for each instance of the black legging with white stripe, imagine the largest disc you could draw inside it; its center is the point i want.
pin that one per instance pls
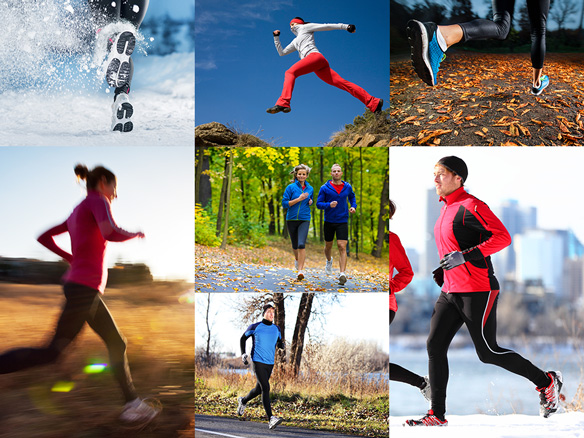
(478, 310)
(499, 27)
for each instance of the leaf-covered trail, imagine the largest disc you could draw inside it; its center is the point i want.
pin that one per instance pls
(485, 100)
(243, 270)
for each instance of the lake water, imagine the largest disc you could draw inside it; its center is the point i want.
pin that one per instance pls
(475, 387)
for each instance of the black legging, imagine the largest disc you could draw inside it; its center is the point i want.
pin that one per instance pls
(83, 304)
(263, 373)
(501, 24)
(399, 373)
(478, 310)
(109, 11)
(298, 231)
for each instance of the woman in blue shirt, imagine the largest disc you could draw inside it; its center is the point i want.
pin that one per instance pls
(297, 199)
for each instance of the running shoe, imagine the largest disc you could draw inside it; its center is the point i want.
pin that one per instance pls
(277, 108)
(427, 420)
(549, 397)
(328, 269)
(118, 63)
(426, 390)
(300, 276)
(296, 265)
(426, 53)
(138, 411)
(274, 421)
(379, 107)
(122, 110)
(240, 406)
(342, 278)
(544, 81)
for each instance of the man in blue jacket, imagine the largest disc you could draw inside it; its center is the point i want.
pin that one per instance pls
(334, 198)
(266, 336)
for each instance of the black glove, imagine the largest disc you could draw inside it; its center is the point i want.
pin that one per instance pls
(438, 275)
(276, 33)
(244, 358)
(351, 28)
(452, 260)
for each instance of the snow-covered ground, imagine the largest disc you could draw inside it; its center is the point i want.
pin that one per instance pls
(162, 95)
(51, 92)
(566, 425)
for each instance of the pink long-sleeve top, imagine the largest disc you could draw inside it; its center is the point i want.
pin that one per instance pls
(90, 226)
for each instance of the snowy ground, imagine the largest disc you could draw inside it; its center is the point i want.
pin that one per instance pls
(162, 95)
(567, 425)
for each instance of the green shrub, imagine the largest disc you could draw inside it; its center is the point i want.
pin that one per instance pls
(242, 231)
(204, 228)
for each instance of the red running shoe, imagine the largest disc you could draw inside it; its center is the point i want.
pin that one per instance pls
(428, 420)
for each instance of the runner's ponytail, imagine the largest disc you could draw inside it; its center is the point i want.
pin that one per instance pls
(92, 177)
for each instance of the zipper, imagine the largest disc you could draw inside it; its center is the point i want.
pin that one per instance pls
(299, 204)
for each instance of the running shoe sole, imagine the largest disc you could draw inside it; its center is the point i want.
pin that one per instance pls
(123, 114)
(118, 69)
(342, 280)
(275, 109)
(300, 277)
(418, 39)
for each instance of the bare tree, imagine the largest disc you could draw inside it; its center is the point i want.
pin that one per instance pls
(227, 198)
(563, 12)
(304, 311)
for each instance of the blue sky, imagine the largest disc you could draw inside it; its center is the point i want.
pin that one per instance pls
(174, 8)
(357, 316)
(155, 195)
(238, 73)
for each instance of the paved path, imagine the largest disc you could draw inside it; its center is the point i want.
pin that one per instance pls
(207, 426)
(224, 277)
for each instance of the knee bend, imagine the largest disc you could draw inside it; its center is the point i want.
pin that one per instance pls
(503, 22)
(486, 356)
(301, 246)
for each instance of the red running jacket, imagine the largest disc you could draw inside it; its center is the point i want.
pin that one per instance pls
(398, 260)
(467, 224)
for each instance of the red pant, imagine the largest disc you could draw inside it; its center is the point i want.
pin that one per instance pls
(318, 64)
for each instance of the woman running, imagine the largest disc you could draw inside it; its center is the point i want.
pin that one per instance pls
(297, 199)
(120, 67)
(429, 41)
(90, 227)
(398, 260)
(266, 337)
(312, 61)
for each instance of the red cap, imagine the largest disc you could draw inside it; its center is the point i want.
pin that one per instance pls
(297, 21)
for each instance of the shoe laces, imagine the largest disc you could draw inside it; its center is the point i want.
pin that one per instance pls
(548, 394)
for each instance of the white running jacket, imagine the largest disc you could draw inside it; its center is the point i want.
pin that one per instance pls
(304, 41)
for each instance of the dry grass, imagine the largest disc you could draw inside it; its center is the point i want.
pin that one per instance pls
(160, 334)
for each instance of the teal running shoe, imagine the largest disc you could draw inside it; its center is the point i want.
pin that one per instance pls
(426, 53)
(544, 81)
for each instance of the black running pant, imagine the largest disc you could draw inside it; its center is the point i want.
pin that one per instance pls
(110, 11)
(478, 311)
(400, 374)
(83, 304)
(298, 231)
(499, 27)
(263, 372)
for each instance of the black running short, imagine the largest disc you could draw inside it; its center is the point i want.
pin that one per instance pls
(341, 230)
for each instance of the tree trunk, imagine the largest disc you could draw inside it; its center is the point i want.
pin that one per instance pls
(203, 193)
(381, 222)
(280, 321)
(227, 199)
(304, 311)
(222, 197)
(208, 347)
(360, 210)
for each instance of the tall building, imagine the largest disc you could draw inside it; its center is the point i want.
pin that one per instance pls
(430, 260)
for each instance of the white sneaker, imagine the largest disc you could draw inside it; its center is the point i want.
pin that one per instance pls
(240, 406)
(118, 63)
(426, 391)
(342, 278)
(300, 276)
(274, 421)
(328, 269)
(122, 110)
(138, 411)
(296, 265)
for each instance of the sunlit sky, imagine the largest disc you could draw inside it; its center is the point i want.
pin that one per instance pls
(361, 316)
(38, 189)
(547, 178)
